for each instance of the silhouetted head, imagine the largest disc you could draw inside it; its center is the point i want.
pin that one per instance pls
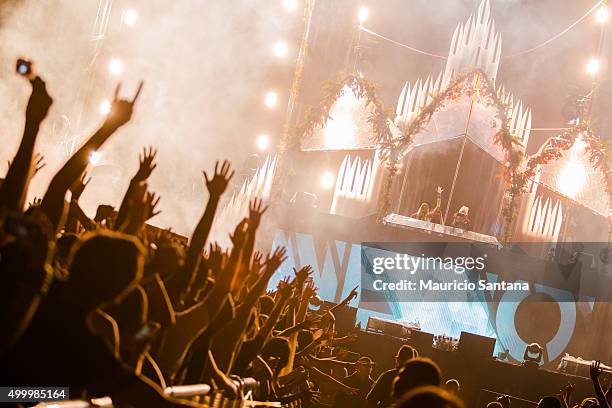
(404, 354)
(495, 404)
(416, 373)
(266, 304)
(276, 353)
(364, 365)
(549, 402)
(304, 338)
(430, 397)
(452, 386)
(104, 266)
(166, 261)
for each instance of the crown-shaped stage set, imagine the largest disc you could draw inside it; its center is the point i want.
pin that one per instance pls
(456, 150)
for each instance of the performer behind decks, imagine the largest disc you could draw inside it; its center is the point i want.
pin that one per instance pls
(434, 215)
(461, 219)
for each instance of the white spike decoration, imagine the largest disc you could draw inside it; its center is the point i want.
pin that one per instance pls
(260, 185)
(475, 44)
(355, 185)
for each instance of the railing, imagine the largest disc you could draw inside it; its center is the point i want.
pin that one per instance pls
(246, 386)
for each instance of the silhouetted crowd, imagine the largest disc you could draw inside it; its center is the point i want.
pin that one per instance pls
(112, 307)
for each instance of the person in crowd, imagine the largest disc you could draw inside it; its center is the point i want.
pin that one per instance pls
(415, 373)
(381, 393)
(452, 386)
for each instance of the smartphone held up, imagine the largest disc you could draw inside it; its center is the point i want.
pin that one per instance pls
(24, 68)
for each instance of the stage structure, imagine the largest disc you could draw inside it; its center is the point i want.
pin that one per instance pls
(332, 198)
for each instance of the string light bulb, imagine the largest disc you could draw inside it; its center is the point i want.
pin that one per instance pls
(280, 49)
(327, 180)
(290, 5)
(105, 107)
(115, 66)
(602, 14)
(263, 141)
(363, 14)
(592, 66)
(271, 99)
(129, 17)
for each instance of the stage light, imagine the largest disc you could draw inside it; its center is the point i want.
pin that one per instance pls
(280, 49)
(327, 180)
(363, 14)
(94, 157)
(290, 5)
(340, 131)
(115, 66)
(592, 66)
(271, 99)
(263, 141)
(130, 17)
(105, 107)
(572, 178)
(602, 14)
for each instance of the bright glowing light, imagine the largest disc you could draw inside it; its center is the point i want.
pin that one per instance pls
(94, 157)
(290, 5)
(105, 107)
(327, 180)
(602, 14)
(340, 131)
(280, 49)
(573, 175)
(592, 66)
(115, 66)
(271, 99)
(263, 141)
(363, 14)
(129, 17)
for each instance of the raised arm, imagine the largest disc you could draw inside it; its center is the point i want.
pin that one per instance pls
(14, 188)
(226, 343)
(595, 372)
(53, 201)
(75, 213)
(146, 166)
(216, 186)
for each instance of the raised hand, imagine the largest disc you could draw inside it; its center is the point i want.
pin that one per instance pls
(240, 233)
(38, 163)
(277, 258)
(39, 103)
(257, 261)
(151, 201)
(595, 370)
(302, 274)
(35, 202)
(310, 290)
(215, 258)
(78, 186)
(147, 164)
(256, 210)
(352, 295)
(284, 287)
(121, 109)
(439, 190)
(217, 184)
